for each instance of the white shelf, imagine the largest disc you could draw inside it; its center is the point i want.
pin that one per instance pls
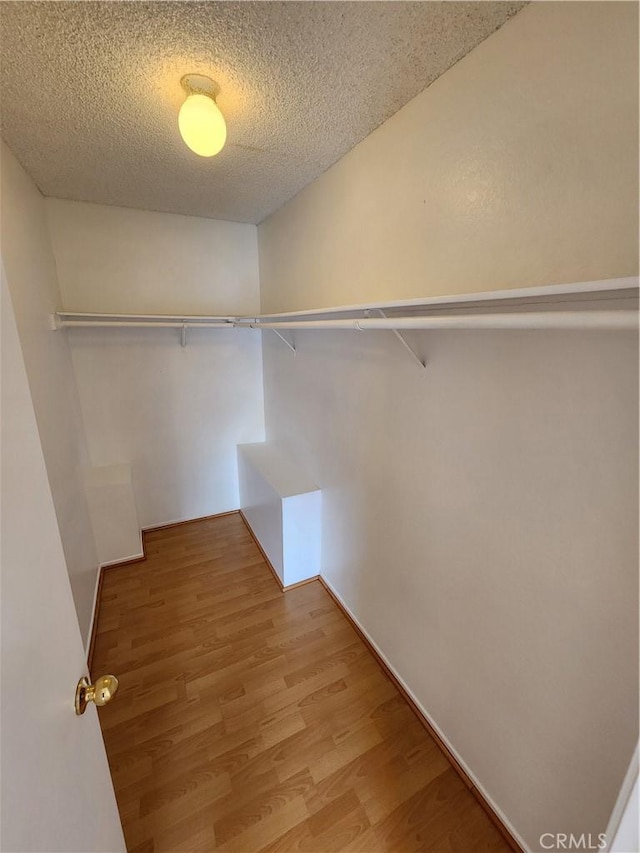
(590, 292)
(285, 477)
(613, 288)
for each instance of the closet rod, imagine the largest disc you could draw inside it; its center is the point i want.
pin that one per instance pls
(139, 324)
(182, 318)
(533, 320)
(622, 319)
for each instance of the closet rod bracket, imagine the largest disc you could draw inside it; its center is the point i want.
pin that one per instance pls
(284, 340)
(414, 355)
(183, 336)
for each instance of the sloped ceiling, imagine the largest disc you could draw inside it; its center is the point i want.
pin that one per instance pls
(91, 91)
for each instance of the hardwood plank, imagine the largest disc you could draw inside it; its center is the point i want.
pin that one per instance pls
(435, 818)
(252, 811)
(254, 720)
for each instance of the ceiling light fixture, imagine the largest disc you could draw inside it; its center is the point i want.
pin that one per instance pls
(201, 124)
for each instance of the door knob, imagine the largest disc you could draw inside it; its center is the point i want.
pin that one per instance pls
(100, 692)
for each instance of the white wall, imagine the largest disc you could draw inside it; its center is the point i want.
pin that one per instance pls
(115, 259)
(481, 518)
(31, 274)
(114, 514)
(175, 415)
(517, 167)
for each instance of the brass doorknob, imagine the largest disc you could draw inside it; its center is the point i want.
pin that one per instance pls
(100, 692)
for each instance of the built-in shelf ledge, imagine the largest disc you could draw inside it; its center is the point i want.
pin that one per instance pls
(510, 298)
(281, 505)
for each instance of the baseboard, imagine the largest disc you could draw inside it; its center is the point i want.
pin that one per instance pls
(93, 625)
(152, 528)
(125, 561)
(300, 583)
(493, 812)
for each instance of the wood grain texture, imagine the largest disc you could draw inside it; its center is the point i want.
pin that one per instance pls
(115, 564)
(252, 720)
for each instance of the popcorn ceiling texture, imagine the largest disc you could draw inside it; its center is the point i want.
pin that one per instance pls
(91, 92)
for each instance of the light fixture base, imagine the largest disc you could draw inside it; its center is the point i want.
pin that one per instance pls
(199, 84)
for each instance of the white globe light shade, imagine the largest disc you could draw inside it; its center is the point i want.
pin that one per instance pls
(202, 125)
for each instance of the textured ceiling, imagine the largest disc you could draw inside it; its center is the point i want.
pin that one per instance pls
(90, 91)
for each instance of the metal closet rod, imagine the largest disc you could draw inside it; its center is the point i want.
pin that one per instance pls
(182, 318)
(621, 319)
(142, 324)
(532, 320)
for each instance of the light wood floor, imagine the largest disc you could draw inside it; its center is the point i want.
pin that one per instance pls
(251, 720)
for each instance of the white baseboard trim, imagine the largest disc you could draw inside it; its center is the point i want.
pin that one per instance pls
(150, 527)
(128, 559)
(480, 788)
